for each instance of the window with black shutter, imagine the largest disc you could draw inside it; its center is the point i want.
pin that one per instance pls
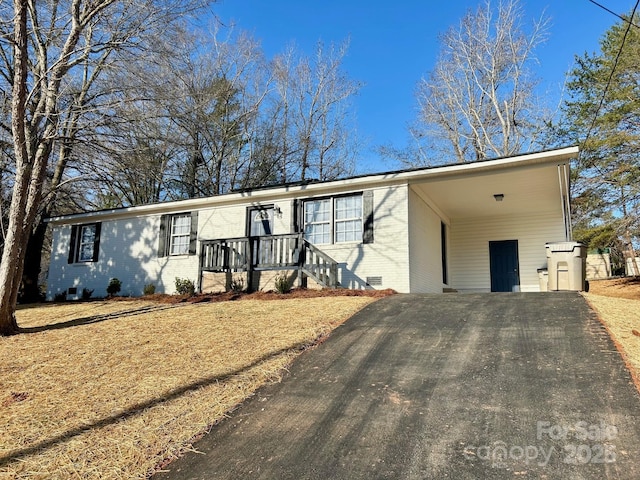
(178, 234)
(84, 245)
(339, 219)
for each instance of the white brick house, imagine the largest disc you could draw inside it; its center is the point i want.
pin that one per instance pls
(469, 227)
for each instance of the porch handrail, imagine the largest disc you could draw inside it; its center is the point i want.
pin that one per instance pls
(269, 252)
(251, 253)
(275, 251)
(319, 266)
(221, 255)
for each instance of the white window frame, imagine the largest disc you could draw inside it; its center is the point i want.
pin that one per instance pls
(315, 223)
(179, 241)
(332, 220)
(347, 220)
(82, 242)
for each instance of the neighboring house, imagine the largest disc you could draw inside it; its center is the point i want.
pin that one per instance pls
(478, 226)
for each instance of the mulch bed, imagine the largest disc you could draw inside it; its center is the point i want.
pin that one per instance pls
(295, 293)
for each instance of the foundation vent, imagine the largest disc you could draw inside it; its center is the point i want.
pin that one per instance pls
(374, 281)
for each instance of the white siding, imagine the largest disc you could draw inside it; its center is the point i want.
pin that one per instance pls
(387, 256)
(230, 221)
(222, 222)
(470, 247)
(128, 251)
(425, 257)
(405, 254)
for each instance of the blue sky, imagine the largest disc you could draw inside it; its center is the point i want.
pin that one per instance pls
(394, 43)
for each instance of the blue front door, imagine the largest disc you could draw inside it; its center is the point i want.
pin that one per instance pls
(503, 258)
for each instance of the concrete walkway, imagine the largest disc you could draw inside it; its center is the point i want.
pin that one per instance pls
(440, 386)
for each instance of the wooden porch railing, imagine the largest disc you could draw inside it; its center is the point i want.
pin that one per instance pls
(319, 266)
(272, 252)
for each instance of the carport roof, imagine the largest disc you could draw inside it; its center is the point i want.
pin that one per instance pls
(459, 190)
(528, 189)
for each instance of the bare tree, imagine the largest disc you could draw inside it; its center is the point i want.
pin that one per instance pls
(198, 118)
(43, 48)
(220, 118)
(78, 96)
(318, 133)
(479, 100)
(229, 85)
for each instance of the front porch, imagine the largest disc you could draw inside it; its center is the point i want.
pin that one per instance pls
(267, 253)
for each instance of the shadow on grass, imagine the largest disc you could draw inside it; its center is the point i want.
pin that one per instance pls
(95, 319)
(16, 455)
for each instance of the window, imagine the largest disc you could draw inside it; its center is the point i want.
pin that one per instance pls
(348, 219)
(317, 221)
(84, 243)
(333, 220)
(180, 234)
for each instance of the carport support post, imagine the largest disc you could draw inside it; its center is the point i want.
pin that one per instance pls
(200, 265)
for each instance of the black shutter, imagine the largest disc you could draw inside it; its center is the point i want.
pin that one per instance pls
(163, 235)
(367, 217)
(72, 244)
(96, 242)
(193, 237)
(295, 216)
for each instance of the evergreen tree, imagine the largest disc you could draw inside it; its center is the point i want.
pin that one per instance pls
(602, 115)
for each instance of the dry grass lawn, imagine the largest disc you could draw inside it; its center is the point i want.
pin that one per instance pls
(111, 389)
(617, 302)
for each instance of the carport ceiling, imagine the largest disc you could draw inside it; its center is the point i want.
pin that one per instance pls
(531, 189)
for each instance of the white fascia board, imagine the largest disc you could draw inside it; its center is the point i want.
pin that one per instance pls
(560, 156)
(324, 188)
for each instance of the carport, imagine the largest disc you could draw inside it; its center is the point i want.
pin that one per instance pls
(495, 219)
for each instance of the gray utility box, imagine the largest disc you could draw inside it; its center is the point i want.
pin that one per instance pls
(566, 262)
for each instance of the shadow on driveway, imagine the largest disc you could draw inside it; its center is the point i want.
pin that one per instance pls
(441, 386)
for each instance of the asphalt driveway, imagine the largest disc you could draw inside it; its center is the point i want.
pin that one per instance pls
(440, 386)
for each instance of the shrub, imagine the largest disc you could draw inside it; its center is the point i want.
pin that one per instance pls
(237, 284)
(283, 283)
(149, 289)
(60, 297)
(86, 293)
(114, 286)
(184, 286)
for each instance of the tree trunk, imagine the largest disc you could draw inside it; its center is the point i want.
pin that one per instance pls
(13, 251)
(32, 264)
